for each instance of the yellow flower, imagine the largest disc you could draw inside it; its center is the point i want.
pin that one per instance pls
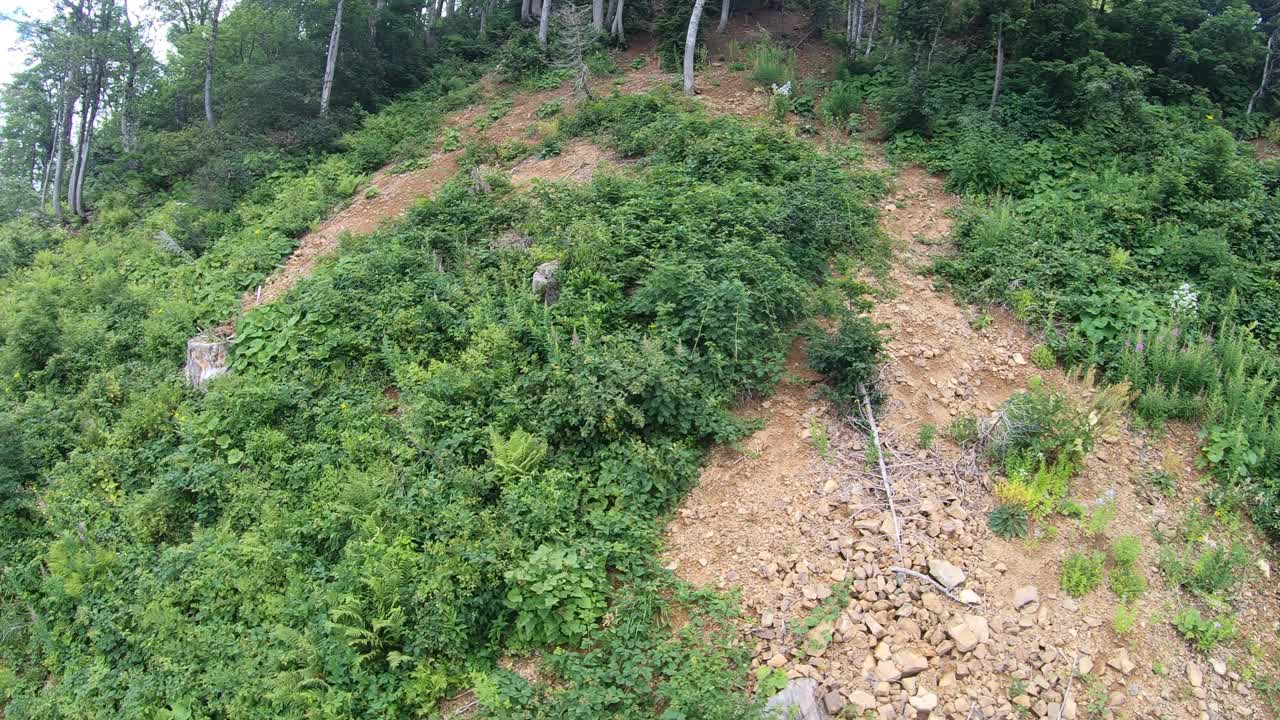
(1208, 117)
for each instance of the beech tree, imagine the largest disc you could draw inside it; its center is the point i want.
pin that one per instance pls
(331, 60)
(690, 45)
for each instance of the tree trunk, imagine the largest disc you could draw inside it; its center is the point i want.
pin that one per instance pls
(1266, 73)
(690, 45)
(859, 14)
(597, 15)
(535, 10)
(86, 143)
(77, 151)
(206, 358)
(544, 23)
(871, 33)
(726, 6)
(995, 88)
(331, 61)
(617, 29)
(130, 86)
(210, 58)
(450, 8)
(374, 18)
(525, 8)
(433, 13)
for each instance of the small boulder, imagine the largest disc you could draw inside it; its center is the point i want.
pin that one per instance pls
(924, 702)
(910, 663)
(795, 702)
(1194, 675)
(1024, 596)
(945, 573)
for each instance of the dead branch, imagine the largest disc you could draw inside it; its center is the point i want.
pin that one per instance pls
(884, 473)
(933, 582)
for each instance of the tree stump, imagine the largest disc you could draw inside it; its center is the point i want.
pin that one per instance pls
(545, 284)
(206, 357)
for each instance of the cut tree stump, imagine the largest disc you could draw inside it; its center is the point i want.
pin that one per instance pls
(207, 357)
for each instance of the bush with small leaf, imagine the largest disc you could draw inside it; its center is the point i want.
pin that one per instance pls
(1042, 357)
(1204, 632)
(1082, 573)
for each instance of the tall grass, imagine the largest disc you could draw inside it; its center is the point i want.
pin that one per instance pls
(771, 64)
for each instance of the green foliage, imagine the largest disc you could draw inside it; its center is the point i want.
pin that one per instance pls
(963, 430)
(1127, 582)
(1203, 632)
(1124, 620)
(840, 103)
(408, 471)
(1008, 521)
(549, 109)
(770, 64)
(1081, 573)
(1125, 550)
(557, 593)
(1042, 357)
(849, 357)
(926, 435)
(1100, 517)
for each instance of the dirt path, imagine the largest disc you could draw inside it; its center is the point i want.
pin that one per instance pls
(796, 514)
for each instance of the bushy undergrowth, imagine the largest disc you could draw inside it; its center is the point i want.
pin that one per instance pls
(417, 465)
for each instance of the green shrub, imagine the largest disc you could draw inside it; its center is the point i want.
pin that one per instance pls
(1126, 549)
(963, 430)
(1081, 573)
(1100, 517)
(557, 593)
(1204, 633)
(1042, 357)
(1124, 620)
(548, 109)
(1209, 571)
(849, 357)
(1127, 582)
(926, 435)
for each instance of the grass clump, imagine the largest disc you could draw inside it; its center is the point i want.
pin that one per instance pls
(770, 64)
(925, 437)
(1042, 357)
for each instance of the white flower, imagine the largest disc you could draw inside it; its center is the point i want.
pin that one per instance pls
(783, 89)
(1184, 301)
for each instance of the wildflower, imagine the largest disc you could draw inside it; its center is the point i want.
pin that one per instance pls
(1208, 117)
(1185, 300)
(784, 89)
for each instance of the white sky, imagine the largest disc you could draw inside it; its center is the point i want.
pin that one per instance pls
(13, 57)
(13, 53)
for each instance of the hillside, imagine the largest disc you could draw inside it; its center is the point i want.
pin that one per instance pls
(840, 386)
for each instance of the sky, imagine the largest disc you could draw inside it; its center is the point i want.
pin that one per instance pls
(12, 56)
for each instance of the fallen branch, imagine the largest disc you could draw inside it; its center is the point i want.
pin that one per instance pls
(1075, 667)
(884, 473)
(933, 582)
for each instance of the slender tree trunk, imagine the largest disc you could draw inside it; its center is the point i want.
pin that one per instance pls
(875, 17)
(78, 151)
(544, 23)
(859, 13)
(82, 167)
(617, 28)
(450, 8)
(1266, 73)
(995, 88)
(535, 10)
(433, 14)
(210, 57)
(690, 45)
(597, 15)
(525, 8)
(331, 61)
(726, 7)
(375, 18)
